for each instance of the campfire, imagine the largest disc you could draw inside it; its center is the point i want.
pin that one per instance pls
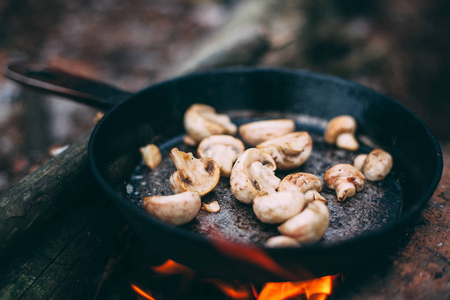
(315, 289)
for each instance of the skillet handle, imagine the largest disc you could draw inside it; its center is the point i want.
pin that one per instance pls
(80, 89)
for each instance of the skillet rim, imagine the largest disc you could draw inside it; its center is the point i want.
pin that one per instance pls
(367, 235)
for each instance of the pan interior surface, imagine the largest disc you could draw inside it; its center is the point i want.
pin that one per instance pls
(377, 205)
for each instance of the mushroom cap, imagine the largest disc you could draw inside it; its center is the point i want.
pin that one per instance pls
(289, 151)
(337, 126)
(201, 120)
(253, 175)
(195, 175)
(308, 226)
(254, 133)
(344, 173)
(276, 208)
(377, 165)
(224, 149)
(301, 182)
(175, 209)
(305, 183)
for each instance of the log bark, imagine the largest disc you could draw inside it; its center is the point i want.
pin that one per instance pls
(37, 197)
(245, 38)
(65, 259)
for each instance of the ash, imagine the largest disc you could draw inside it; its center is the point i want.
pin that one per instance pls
(377, 205)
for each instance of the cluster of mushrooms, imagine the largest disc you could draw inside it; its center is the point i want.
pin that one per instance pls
(293, 202)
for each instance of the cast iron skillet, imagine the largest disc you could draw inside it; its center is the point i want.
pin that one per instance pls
(154, 115)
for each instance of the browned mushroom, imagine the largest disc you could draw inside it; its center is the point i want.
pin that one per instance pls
(224, 149)
(254, 133)
(175, 209)
(151, 155)
(201, 120)
(289, 151)
(345, 179)
(308, 226)
(253, 175)
(305, 183)
(276, 208)
(341, 131)
(375, 166)
(195, 175)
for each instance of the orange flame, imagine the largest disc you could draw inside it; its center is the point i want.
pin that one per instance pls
(234, 291)
(169, 267)
(319, 288)
(141, 292)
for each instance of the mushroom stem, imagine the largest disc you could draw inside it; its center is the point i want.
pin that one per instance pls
(264, 179)
(345, 189)
(347, 141)
(312, 195)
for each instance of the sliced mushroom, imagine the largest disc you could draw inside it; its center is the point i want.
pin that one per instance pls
(281, 241)
(308, 226)
(175, 209)
(201, 120)
(253, 175)
(195, 175)
(289, 151)
(341, 131)
(305, 183)
(257, 132)
(224, 149)
(276, 208)
(375, 166)
(345, 179)
(212, 207)
(151, 155)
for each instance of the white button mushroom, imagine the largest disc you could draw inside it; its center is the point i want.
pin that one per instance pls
(276, 208)
(341, 131)
(253, 175)
(305, 183)
(375, 166)
(201, 120)
(224, 149)
(195, 175)
(345, 179)
(308, 226)
(151, 155)
(257, 132)
(289, 151)
(175, 209)
(281, 241)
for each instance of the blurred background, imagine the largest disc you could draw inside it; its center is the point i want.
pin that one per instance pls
(400, 48)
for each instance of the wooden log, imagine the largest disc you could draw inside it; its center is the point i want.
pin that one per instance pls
(242, 41)
(66, 258)
(27, 204)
